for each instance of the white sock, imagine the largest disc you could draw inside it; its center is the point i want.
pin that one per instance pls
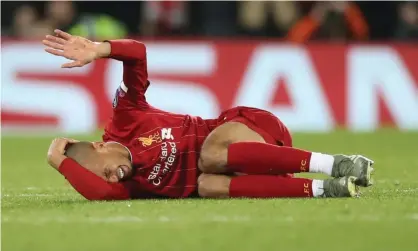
(321, 163)
(317, 188)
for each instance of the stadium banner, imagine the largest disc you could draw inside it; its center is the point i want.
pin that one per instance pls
(317, 87)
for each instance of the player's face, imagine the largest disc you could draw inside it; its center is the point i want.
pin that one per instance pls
(111, 162)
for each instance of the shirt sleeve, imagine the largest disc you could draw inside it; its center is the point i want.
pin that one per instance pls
(92, 187)
(135, 75)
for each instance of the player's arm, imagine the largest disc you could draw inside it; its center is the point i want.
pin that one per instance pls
(83, 51)
(135, 75)
(89, 185)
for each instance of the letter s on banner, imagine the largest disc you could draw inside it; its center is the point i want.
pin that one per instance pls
(72, 105)
(176, 95)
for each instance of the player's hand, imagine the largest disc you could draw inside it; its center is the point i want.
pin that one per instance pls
(78, 49)
(56, 151)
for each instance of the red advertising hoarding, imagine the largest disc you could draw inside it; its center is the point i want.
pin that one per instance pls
(316, 87)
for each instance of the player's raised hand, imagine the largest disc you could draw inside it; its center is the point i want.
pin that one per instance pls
(56, 151)
(78, 49)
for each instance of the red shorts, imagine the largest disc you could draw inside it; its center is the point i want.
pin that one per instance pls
(263, 122)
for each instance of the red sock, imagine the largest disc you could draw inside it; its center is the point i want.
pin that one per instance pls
(261, 158)
(267, 186)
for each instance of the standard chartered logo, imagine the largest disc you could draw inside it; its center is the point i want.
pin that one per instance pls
(166, 160)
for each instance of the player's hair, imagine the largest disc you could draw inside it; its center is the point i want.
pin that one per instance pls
(80, 151)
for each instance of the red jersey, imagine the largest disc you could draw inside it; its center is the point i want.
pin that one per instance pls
(164, 146)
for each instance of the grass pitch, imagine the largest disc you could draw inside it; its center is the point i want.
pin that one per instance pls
(40, 211)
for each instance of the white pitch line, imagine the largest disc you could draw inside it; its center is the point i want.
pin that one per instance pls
(43, 189)
(36, 195)
(409, 190)
(414, 216)
(165, 219)
(28, 195)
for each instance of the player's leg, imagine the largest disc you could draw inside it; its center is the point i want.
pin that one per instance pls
(234, 147)
(269, 186)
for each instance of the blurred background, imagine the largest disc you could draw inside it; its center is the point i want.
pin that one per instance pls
(317, 65)
(294, 21)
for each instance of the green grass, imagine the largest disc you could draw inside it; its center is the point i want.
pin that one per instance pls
(41, 212)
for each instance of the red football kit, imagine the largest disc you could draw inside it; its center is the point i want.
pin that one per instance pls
(164, 147)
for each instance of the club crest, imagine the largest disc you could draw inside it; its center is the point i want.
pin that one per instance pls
(147, 141)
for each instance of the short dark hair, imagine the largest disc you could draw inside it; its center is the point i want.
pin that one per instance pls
(80, 151)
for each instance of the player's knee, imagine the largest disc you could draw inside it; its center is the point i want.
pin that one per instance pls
(212, 160)
(213, 186)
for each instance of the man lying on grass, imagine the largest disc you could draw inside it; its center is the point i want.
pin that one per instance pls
(147, 152)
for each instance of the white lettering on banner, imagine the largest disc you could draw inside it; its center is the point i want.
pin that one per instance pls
(113, 78)
(380, 71)
(170, 95)
(184, 98)
(182, 59)
(310, 110)
(72, 105)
